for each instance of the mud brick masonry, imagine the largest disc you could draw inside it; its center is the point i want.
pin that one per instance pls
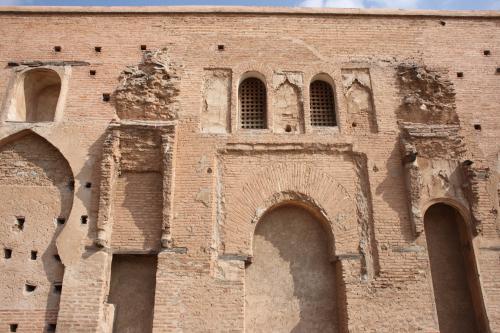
(196, 169)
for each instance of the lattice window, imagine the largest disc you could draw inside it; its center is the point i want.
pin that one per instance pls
(253, 109)
(322, 104)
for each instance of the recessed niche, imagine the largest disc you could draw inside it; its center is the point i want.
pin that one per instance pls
(7, 253)
(13, 327)
(34, 255)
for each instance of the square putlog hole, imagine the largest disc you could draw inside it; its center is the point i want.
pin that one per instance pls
(34, 255)
(92, 72)
(57, 48)
(220, 47)
(106, 97)
(29, 287)
(98, 49)
(487, 52)
(7, 253)
(84, 219)
(13, 327)
(460, 74)
(144, 47)
(20, 220)
(477, 127)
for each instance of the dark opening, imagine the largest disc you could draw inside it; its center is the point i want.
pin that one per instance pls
(93, 72)
(209, 170)
(20, 222)
(443, 23)
(460, 74)
(486, 52)
(29, 287)
(51, 327)
(12, 64)
(98, 48)
(71, 185)
(354, 124)
(13, 327)
(88, 185)
(132, 291)
(57, 48)
(498, 70)
(57, 288)
(106, 97)
(57, 257)
(34, 254)
(143, 47)
(84, 219)
(7, 253)
(477, 127)
(61, 220)
(288, 128)
(457, 291)
(220, 47)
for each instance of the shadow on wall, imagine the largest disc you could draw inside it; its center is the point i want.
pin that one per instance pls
(291, 286)
(393, 188)
(36, 187)
(138, 204)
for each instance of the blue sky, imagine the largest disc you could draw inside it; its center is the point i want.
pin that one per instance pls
(406, 4)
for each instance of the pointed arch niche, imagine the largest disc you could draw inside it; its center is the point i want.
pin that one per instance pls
(36, 192)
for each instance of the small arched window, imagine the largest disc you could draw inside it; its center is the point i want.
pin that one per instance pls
(253, 104)
(322, 104)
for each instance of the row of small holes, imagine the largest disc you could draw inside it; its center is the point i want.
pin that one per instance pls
(50, 327)
(7, 254)
(20, 221)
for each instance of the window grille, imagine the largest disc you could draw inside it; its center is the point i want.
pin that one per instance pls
(322, 104)
(252, 95)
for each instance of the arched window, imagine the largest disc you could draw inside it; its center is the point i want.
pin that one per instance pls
(36, 97)
(322, 104)
(252, 104)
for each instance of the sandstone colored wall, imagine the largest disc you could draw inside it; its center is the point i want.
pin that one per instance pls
(160, 166)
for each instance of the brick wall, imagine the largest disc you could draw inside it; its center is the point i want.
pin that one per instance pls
(200, 277)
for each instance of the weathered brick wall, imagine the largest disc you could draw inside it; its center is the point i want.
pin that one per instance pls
(200, 283)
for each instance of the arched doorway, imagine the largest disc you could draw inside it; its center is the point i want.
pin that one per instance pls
(454, 275)
(291, 284)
